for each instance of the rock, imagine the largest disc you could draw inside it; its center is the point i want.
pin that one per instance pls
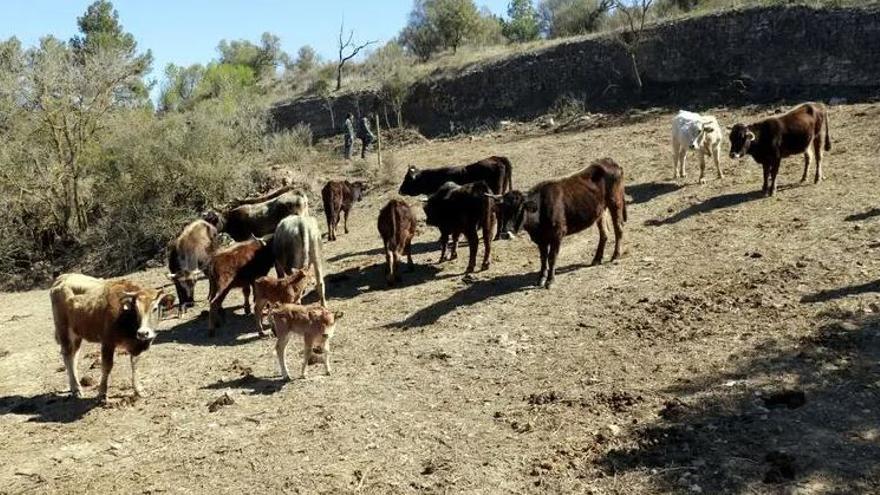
(614, 430)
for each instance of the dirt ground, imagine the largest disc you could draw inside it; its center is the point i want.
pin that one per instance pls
(734, 349)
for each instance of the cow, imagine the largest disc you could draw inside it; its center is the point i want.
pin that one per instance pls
(695, 132)
(339, 197)
(188, 255)
(268, 290)
(298, 245)
(397, 226)
(770, 140)
(114, 313)
(457, 210)
(238, 265)
(258, 216)
(556, 208)
(315, 323)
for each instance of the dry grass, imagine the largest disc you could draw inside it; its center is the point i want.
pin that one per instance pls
(643, 376)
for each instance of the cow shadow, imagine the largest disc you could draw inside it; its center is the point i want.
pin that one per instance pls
(857, 217)
(474, 292)
(744, 425)
(239, 329)
(358, 280)
(708, 206)
(48, 407)
(417, 248)
(254, 384)
(840, 292)
(647, 191)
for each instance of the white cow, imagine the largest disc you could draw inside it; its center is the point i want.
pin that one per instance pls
(697, 132)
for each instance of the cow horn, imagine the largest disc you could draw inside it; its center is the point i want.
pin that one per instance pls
(493, 196)
(750, 135)
(171, 276)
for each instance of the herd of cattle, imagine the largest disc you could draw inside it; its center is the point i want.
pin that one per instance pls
(276, 230)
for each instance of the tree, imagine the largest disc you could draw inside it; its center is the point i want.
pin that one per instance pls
(560, 18)
(262, 59)
(453, 19)
(635, 15)
(347, 46)
(421, 39)
(391, 66)
(489, 29)
(306, 60)
(523, 24)
(181, 88)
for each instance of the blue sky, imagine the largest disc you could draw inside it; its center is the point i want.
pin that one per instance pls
(187, 31)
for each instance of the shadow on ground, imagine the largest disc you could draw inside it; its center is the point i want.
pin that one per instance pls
(358, 280)
(256, 385)
(417, 248)
(733, 432)
(238, 329)
(857, 217)
(708, 206)
(831, 294)
(646, 191)
(474, 292)
(48, 407)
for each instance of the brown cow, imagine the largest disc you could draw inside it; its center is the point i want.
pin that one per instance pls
(188, 255)
(457, 210)
(268, 290)
(339, 197)
(556, 208)
(258, 216)
(774, 138)
(397, 226)
(315, 323)
(238, 265)
(116, 313)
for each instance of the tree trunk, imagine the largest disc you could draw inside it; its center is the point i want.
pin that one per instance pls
(635, 67)
(378, 142)
(339, 77)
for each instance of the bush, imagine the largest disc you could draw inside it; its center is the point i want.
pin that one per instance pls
(290, 145)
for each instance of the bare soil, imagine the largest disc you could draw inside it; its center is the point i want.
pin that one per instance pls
(734, 349)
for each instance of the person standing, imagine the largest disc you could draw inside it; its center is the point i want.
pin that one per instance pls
(348, 135)
(365, 135)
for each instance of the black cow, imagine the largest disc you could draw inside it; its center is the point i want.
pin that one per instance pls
(457, 210)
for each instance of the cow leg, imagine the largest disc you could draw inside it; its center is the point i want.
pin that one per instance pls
(473, 242)
(135, 384)
(345, 224)
(444, 240)
(682, 160)
(702, 167)
(453, 250)
(774, 170)
(319, 281)
(107, 351)
(325, 353)
(603, 238)
(246, 290)
(551, 261)
(70, 354)
(308, 342)
(674, 159)
(616, 211)
(716, 154)
(542, 250)
(487, 241)
(259, 304)
(806, 164)
(409, 254)
(389, 265)
(766, 188)
(280, 347)
(817, 154)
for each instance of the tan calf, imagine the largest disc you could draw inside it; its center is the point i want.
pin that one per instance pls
(268, 290)
(314, 322)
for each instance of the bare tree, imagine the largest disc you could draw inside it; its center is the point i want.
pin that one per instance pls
(635, 15)
(344, 46)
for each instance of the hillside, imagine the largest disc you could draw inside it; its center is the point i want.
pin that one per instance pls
(660, 373)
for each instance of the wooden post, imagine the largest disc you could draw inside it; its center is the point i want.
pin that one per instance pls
(378, 141)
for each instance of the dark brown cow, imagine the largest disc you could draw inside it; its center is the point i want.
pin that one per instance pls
(774, 138)
(258, 216)
(339, 197)
(457, 210)
(397, 226)
(188, 255)
(556, 208)
(238, 265)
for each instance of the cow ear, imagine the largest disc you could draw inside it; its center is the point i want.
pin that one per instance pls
(531, 206)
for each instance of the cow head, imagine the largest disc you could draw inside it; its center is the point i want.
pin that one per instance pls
(357, 190)
(185, 283)
(515, 209)
(215, 218)
(741, 138)
(409, 187)
(139, 313)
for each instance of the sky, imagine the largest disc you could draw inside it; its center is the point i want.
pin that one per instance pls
(185, 32)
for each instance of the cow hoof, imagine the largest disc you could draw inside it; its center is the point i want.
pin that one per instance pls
(548, 285)
(596, 263)
(76, 394)
(702, 180)
(484, 266)
(139, 393)
(542, 281)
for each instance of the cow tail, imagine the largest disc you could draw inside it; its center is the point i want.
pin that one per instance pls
(509, 176)
(392, 242)
(827, 135)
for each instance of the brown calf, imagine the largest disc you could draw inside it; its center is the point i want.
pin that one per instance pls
(397, 226)
(238, 265)
(774, 138)
(556, 208)
(314, 322)
(115, 314)
(339, 197)
(268, 290)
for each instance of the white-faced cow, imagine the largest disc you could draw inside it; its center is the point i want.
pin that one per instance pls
(114, 313)
(556, 208)
(770, 140)
(700, 133)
